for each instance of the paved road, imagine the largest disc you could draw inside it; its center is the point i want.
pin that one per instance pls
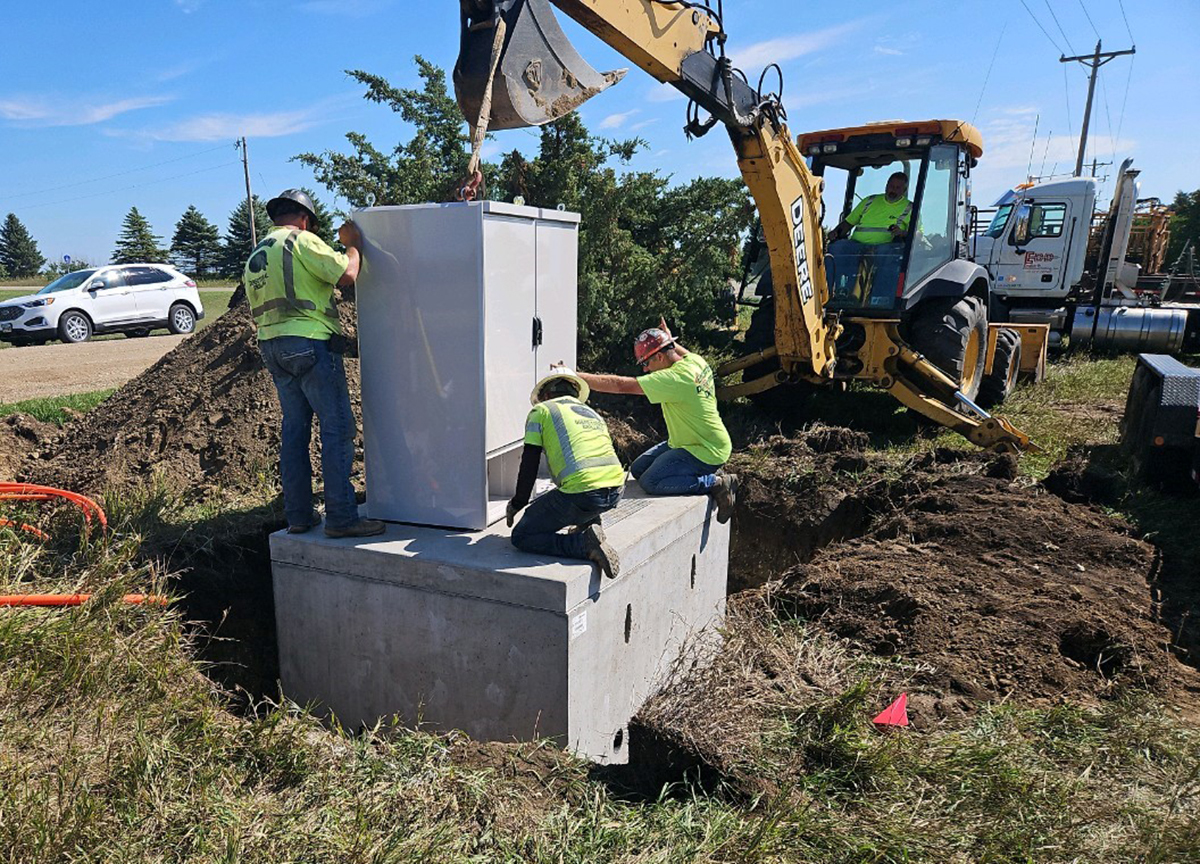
(37, 372)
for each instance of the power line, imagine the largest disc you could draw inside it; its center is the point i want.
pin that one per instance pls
(110, 176)
(1043, 29)
(1126, 19)
(986, 77)
(1050, 9)
(1089, 17)
(134, 186)
(1125, 98)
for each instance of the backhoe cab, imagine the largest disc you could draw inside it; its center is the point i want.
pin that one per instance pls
(920, 289)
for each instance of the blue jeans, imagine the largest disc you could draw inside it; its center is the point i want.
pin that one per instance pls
(663, 471)
(846, 257)
(312, 379)
(537, 532)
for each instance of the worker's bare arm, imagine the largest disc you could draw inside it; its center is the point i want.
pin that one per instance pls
(612, 383)
(351, 238)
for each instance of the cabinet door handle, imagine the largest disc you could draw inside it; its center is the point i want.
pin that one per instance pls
(537, 331)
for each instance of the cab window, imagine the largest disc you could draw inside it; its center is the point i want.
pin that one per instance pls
(1038, 220)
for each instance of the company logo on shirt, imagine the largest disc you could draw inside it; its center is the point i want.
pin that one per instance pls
(704, 383)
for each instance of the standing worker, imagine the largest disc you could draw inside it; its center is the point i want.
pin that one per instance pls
(697, 445)
(289, 282)
(588, 476)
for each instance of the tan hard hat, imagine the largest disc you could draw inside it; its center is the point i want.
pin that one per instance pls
(561, 372)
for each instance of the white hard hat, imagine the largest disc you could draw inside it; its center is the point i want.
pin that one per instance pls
(561, 372)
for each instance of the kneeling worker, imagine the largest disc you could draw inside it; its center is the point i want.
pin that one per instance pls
(585, 468)
(697, 445)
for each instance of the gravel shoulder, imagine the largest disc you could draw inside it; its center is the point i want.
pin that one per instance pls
(39, 372)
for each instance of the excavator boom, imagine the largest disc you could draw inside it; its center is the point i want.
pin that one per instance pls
(539, 78)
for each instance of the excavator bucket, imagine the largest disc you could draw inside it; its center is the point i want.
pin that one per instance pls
(540, 76)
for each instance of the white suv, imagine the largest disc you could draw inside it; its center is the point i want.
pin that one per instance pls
(120, 298)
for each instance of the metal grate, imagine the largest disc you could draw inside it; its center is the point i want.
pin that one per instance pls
(10, 313)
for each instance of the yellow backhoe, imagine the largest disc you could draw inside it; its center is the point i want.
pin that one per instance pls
(910, 319)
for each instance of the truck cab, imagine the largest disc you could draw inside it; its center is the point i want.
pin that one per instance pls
(1035, 244)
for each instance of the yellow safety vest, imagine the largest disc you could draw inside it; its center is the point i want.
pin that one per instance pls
(875, 215)
(289, 281)
(578, 447)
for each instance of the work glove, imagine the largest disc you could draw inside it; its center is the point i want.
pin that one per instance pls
(510, 514)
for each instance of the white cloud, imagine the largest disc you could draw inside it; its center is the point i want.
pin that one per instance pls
(664, 93)
(189, 6)
(891, 52)
(785, 48)
(616, 121)
(637, 126)
(217, 126)
(39, 111)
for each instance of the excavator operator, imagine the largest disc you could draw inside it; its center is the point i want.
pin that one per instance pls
(880, 225)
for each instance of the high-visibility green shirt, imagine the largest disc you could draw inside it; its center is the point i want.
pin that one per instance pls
(874, 215)
(689, 405)
(578, 447)
(289, 281)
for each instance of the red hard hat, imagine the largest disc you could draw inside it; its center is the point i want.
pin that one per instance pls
(650, 342)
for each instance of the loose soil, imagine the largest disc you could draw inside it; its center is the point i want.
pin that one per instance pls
(21, 435)
(41, 371)
(995, 588)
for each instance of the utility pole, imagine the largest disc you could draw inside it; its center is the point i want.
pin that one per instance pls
(249, 198)
(1094, 62)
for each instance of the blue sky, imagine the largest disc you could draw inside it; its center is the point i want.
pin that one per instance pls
(103, 107)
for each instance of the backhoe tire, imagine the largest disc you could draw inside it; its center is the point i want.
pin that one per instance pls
(952, 334)
(781, 399)
(1006, 365)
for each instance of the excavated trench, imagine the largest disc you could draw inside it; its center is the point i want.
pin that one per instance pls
(990, 586)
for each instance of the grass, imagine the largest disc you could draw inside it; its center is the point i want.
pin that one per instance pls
(51, 410)
(117, 748)
(119, 744)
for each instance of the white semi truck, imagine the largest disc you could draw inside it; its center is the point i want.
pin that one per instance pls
(1054, 260)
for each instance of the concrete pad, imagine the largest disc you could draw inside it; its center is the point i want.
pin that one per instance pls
(460, 630)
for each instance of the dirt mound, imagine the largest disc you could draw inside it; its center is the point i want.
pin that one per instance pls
(21, 435)
(205, 417)
(1004, 590)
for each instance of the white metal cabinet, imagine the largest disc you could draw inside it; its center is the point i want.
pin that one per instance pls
(462, 307)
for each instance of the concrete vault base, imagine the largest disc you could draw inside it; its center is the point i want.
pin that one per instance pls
(459, 630)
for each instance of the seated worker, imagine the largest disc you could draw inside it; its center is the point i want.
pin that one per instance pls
(697, 445)
(588, 476)
(880, 224)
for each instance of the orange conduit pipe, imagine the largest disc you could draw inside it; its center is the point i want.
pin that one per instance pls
(75, 599)
(29, 529)
(32, 492)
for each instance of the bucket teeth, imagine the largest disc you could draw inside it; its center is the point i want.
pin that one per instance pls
(540, 77)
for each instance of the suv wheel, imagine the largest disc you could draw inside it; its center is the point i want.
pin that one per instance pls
(74, 327)
(182, 319)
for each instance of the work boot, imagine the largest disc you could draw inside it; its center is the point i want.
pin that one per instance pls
(599, 552)
(313, 521)
(724, 492)
(361, 528)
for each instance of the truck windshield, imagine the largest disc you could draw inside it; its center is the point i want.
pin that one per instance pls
(999, 221)
(67, 282)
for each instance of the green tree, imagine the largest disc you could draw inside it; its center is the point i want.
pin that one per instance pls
(19, 255)
(1185, 225)
(137, 242)
(425, 168)
(60, 268)
(236, 247)
(646, 248)
(196, 245)
(324, 226)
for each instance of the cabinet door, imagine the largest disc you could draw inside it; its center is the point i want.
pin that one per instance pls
(509, 300)
(557, 280)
